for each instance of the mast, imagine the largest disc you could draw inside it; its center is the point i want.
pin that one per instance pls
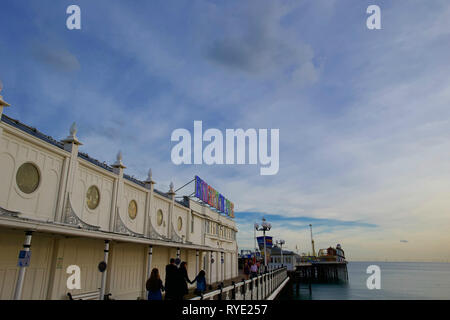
(312, 241)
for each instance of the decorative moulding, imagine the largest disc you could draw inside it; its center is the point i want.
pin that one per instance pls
(73, 219)
(120, 227)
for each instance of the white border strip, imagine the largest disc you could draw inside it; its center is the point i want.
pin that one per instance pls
(277, 291)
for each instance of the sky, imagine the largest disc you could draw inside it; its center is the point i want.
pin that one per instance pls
(363, 115)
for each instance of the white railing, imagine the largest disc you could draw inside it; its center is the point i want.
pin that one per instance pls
(258, 288)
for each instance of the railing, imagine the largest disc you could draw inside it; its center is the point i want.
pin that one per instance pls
(258, 288)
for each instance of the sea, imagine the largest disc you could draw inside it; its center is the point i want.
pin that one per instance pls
(399, 281)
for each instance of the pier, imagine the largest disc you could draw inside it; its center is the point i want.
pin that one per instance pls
(319, 272)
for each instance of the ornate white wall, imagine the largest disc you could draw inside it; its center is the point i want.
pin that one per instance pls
(67, 231)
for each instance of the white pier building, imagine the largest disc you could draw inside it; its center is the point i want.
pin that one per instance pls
(71, 208)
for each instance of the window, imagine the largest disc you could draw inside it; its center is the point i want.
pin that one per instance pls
(28, 178)
(180, 223)
(159, 217)
(192, 223)
(92, 197)
(132, 209)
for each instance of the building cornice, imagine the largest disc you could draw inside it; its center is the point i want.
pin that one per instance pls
(71, 230)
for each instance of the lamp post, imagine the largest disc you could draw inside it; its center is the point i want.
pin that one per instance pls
(265, 226)
(281, 242)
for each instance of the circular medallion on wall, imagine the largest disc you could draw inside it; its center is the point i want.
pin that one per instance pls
(179, 223)
(92, 197)
(132, 209)
(28, 178)
(159, 217)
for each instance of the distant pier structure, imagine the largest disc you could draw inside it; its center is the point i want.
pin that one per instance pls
(328, 266)
(321, 272)
(307, 274)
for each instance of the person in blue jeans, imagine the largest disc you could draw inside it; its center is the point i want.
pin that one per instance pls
(201, 282)
(154, 286)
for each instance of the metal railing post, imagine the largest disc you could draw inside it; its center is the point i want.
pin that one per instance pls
(257, 288)
(220, 294)
(233, 292)
(265, 285)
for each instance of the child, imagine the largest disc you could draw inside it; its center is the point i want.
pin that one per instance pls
(154, 286)
(201, 282)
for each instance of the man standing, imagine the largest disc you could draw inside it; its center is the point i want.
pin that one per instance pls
(171, 280)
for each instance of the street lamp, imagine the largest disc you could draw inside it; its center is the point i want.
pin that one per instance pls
(281, 242)
(265, 226)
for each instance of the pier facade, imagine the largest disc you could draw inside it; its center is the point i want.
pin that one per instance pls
(65, 208)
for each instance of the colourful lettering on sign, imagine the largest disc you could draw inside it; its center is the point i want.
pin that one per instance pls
(209, 195)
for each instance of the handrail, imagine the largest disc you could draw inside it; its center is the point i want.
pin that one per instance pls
(263, 286)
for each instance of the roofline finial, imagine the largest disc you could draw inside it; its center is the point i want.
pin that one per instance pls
(118, 163)
(3, 103)
(72, 137)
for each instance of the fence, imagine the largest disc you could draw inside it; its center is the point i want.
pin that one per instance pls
(262, 287)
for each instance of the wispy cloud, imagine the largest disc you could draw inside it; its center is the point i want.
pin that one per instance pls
(363, 115)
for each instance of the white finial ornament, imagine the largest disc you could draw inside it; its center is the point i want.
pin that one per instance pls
(171, 192)
(72, 137)
(119, 163)
(73, 129)
(3, 103)
(149, 179)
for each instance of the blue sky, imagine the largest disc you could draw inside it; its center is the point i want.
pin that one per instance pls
(363, 115)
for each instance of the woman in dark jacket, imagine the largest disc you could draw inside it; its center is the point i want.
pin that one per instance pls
(185, 279)
(154, 286)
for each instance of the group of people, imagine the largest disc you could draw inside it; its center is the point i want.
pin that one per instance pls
(251, 268)
(176, 282)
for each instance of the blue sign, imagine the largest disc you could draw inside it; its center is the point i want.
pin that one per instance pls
(261, 242)
(24, 258)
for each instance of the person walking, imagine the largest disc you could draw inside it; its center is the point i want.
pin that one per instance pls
(184, 280)
(154, 285)
(171, 280)
(246, 269)
(253, 270)
(201, 282)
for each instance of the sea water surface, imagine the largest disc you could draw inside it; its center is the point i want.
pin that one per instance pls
(399, 281)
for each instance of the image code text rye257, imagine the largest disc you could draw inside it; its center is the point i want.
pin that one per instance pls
(229, 309)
